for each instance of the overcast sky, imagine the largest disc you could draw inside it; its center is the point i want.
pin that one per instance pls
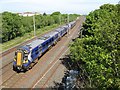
(49, 6)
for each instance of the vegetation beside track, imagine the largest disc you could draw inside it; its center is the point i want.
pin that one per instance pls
(26, 36)
(97, 53)
(17, 29)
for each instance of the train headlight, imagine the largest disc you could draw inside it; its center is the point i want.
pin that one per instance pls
(14, 59)
(25, 61)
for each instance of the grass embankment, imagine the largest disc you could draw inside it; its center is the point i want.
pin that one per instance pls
(26, 37)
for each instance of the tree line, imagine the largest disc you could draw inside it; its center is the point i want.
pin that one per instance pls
(97, 53)
(14, 25)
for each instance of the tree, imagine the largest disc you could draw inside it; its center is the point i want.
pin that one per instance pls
(98, 53)
(14, 25)
(44, 14)
(11, 24)
(55, 13)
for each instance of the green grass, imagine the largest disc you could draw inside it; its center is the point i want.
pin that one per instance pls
(26, 37)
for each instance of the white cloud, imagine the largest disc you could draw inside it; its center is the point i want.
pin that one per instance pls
(65, 6)
(10, 1)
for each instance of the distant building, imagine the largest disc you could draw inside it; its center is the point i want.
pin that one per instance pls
(19, 14)
(28, 13)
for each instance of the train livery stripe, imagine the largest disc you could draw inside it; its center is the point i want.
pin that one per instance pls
(19, 58)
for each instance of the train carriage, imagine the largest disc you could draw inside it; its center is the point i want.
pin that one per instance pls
(27, 54)
(72, 24)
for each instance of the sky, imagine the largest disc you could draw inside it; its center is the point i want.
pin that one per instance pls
(50, 6)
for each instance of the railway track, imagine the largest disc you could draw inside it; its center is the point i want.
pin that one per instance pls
(46, 67)
(5, 53)
(43, 83)
(47, 76)
(9, 58)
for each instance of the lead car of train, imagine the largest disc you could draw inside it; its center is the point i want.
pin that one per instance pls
(28, 54)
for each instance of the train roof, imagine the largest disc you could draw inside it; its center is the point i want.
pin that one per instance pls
(26, 48)
(59, 29)
(65, 26)
(51, 34)
(40, 40)
(34, 43)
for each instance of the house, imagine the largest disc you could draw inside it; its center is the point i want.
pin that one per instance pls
(28, 13)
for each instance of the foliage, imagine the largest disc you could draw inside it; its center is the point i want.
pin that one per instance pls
(97, 54)
(14, 25)
(55, 13)
(26, 37)
(44, 14)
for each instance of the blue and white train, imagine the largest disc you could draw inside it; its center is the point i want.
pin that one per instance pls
(28, 54)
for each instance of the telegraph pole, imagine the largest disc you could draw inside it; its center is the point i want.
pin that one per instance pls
(68, 24)
(34, 25)
(68, 18)
(60, 18)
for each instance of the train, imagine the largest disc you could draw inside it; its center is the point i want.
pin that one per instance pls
(29, 53)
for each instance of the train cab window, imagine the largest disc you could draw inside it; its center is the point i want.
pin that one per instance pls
(15, 53)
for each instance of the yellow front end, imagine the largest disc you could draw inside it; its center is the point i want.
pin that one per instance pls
(19, 59)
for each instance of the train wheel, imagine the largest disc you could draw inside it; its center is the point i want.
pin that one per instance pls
(36, 60)
(25, 69)
(14, 68)
(55, 43)
(31, 65)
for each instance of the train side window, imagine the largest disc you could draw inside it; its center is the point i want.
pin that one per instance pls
(44, 46)
(36, 51)
(57, 36)
(40, 48)
(52, 39)
(47, 43)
